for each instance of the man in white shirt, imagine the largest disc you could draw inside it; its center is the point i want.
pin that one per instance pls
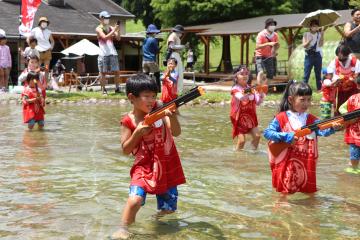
(45, 41)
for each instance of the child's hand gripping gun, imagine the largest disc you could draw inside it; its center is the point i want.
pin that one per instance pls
(276, 148)
(257, 88)
(159, 113)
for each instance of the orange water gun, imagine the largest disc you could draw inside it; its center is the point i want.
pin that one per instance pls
(159, 113)
(258, 88)
(276, 148)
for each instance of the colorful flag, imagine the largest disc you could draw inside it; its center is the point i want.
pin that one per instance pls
(28, 10)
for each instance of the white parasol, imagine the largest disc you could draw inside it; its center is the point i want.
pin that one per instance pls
(325, 17)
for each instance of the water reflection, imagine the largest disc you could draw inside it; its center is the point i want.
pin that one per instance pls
(70, 182)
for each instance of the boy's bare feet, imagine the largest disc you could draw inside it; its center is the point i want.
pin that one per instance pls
(121, 233)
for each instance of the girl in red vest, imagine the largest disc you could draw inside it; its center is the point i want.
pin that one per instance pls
(33, 66)
(344, 68)
(294, 170)
(169, 82)
(157, 168)
(33, 102)
(243, 109)
(352, 133)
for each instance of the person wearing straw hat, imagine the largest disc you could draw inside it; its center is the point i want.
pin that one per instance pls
(5, 62)
(312, 42)
(108, 61)
(174, 45)
(150, 50)
(267, 44)
(352, 33)
(45, 41)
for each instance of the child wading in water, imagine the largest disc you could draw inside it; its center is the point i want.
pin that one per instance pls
(243, 109)
(33, 102)
(33, 66)
(169, 82)
(352, 133)
(157, 168)
(294, 169)
(328, 99)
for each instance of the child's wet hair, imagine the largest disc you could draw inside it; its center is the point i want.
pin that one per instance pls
(139, 83)
(33, 40)
(172, 59)
(32, 76)
(239, 70)
(33, 56)
(294, 89)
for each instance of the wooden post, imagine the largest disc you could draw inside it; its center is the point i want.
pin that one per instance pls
(225, 62)
(206, 41)
(247, 49)
(241, 49)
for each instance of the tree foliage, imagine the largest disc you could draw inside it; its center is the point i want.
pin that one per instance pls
(354, 3)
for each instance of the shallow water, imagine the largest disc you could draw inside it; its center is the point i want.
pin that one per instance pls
(70, 182)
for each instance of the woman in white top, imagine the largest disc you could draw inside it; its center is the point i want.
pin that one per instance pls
(312, 42)
(174, 43)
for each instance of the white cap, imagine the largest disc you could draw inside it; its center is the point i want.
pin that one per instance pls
(104, 14)
(2, 33)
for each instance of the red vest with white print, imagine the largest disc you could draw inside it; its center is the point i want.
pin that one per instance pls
(294, 170)
(346, 84)
(352, 133)
(157, 165)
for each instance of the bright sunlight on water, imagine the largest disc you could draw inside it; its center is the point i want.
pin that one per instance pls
(70, 181)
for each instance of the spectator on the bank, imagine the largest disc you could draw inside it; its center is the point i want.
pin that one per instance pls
(150, 51)
(352, 33)
(190, 59)
(108, 62)
(174, 45)
(30, 50)
(45, 41)
(267, 44)
(5, 62)
(312, 42)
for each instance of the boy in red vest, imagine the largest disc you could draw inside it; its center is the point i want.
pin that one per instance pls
(157, 168)
(352, 133)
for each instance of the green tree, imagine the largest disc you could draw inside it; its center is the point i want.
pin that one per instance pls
(142, 10)
(354, 3)
(190, 12)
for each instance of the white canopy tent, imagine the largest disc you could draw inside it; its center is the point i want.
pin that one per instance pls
(81, 48)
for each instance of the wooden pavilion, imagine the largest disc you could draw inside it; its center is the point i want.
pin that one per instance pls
(287, 26)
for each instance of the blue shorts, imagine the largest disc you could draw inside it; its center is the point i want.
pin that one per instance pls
(354, 152)
(33, 121)
(166, 201)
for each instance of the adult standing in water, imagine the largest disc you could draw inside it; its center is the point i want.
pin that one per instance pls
(174, 45)
(108, 61)
(312, 42)
(150, 50)
(267, 44)
(45, 42)
(352, 33)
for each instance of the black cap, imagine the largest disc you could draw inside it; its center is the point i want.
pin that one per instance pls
(270, 21)
(178, 28)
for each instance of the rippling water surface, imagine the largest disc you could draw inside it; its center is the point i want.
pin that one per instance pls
(70, 182)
